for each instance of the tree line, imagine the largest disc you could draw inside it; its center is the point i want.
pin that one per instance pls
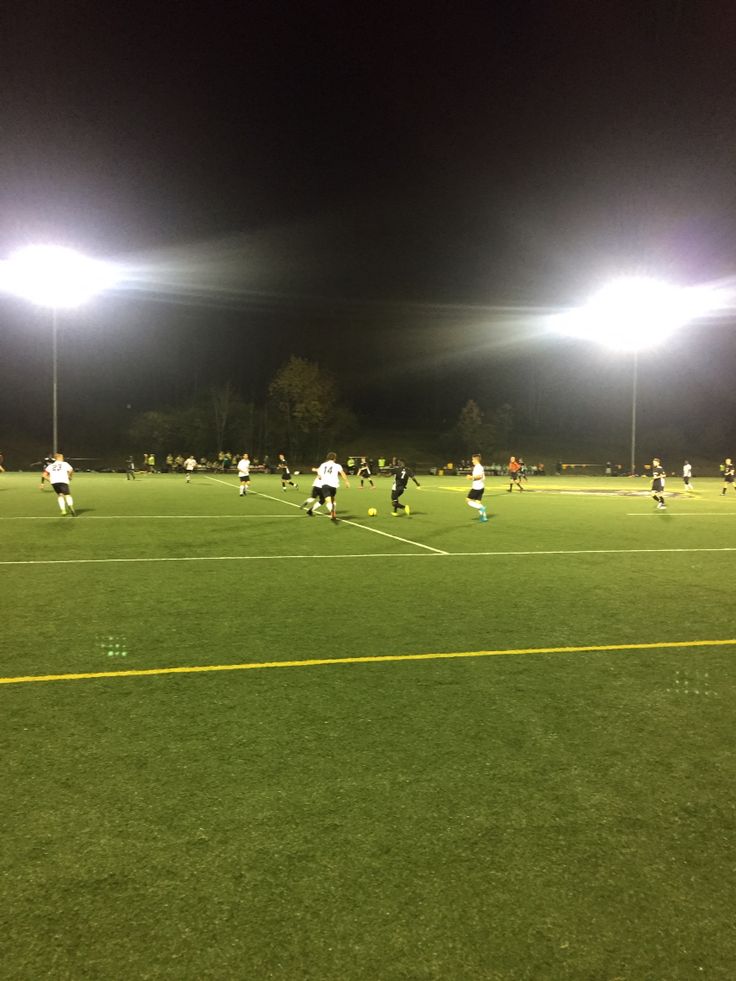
(302, 415)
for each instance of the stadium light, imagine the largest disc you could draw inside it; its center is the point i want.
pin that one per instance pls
(635, 313)
(58, 278)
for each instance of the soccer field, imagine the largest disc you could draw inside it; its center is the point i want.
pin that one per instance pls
(239, 743)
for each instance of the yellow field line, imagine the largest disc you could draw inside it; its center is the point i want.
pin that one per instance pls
(319, 662)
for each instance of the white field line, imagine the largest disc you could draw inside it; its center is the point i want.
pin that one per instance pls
(698, 514)
(348, 521)
(158, 517)
(370, 555)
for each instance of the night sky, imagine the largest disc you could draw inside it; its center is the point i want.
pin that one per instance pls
(399, 191)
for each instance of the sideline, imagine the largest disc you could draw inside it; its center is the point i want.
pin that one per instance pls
(375, 659)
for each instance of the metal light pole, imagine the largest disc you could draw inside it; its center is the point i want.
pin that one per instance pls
(54, 383)
(632, 471)
(58, 278)
(634, 313)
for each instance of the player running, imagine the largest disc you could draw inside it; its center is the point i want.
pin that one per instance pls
(330, 473)
(283, 466)
(658, 479)
(402, 476)
(190, 465)
(364, 472)
(729, 474)
(478, 486)
(244, 474)
(514, 474)
(59, 475)
(316, 499)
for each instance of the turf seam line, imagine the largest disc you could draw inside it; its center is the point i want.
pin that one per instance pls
(370, 659)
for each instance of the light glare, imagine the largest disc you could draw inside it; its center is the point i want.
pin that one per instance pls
(635, 313)
(54, 276)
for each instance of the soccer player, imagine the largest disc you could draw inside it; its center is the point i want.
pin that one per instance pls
(658, 478)
(402, 476)
(514, 474)
(283, 466)
(475, 494)
(244, 474)
(130, 469)
(59, 475)
(330, 473)
(364, 472)
(190, 465)
(46, 461)
(729, 473)
(316, 499)
(687, 472)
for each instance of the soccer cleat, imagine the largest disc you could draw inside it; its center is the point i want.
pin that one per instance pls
(407, 510)
(309, 513)
(483, 516)
(394, 514)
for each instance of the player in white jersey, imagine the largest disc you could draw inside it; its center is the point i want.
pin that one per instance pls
(475, 494)
(190, 465)
(316, 498)
(244, 474)
(59, 475)
(687, 472)
(330, 473)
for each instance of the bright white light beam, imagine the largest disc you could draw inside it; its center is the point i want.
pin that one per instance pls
(55, 276)
(636, 312)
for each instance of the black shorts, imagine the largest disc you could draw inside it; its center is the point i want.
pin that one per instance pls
(318, 493)
(245, 478)
(285, 475)
(514, 476)
(61, 488)
(728, 479)
(329, 492)
(364, 472)
(397, 491)
(657, 485)
(475, 495)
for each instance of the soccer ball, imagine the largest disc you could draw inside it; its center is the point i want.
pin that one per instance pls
(372, 512)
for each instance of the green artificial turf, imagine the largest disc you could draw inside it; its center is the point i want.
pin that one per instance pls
(519, 816)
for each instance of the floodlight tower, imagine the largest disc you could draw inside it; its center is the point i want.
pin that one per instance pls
(636, 313)
(57, 278)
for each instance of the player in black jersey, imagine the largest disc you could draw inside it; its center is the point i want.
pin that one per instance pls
(658, 478)
(364, 472)
(283, 466)
(729, 475)
(402, 476)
